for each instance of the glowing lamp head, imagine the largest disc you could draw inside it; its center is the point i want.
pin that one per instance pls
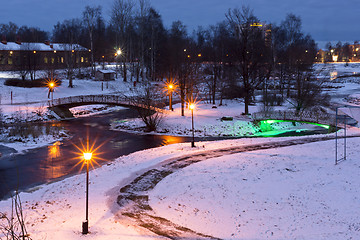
(192, 106)
(171, 86)
(51, 85)
(118, 52)
(87, 156)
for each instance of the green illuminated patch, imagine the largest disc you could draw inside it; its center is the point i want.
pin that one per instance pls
(265, 124)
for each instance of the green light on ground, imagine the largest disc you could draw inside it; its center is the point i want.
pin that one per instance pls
(321, 125)
(271, 121)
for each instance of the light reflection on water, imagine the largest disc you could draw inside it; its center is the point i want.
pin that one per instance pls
(50, 167)
(166, 140)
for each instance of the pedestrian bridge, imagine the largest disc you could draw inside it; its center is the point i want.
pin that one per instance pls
(61, 106)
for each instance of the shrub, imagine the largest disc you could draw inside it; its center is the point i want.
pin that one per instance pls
(16, 82)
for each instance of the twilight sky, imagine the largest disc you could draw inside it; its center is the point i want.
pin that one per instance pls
(325, 20)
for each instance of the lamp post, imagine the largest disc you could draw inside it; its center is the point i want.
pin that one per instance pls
(117, 55)
(192, 106)
(85, 225)
(51, 86)
(171, 87)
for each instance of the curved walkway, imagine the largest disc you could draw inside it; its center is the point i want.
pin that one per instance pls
(134, 199)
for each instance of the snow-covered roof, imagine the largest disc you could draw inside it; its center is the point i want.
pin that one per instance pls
(12, 46)
(106, 71)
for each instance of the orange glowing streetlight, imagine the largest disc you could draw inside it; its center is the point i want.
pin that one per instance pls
(51, 84)
(88, 155)
(192, 107)
(85, 225)
(170, 88)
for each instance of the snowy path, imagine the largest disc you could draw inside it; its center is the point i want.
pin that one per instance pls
(134, 198)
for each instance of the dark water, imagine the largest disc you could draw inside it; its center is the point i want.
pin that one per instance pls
(45, 164)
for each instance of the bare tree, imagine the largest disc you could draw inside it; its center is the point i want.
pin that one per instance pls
(90, 16)
(249, 48)
(143, 12)
(31, 58)
(70, 31)
(121, 16)
(295, 54)
(147, 101)
(12, 225)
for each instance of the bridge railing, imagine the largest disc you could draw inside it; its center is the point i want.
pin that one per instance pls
(101, 99)
(112, 99)
(306, 116)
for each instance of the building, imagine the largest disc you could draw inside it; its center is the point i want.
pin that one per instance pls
(266, 30)
(341, 53)
(104, 75)
(19, 56)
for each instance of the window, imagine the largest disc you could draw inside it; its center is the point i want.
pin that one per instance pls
(45, 60)
(82, 59)
(10, 61)
(62, 60)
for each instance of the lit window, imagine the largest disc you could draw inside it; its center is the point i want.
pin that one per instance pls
(82, 59)
(62, 60)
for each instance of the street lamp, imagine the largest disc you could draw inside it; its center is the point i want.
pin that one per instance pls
(85, 225)
(171, 88)
(192, 107)
(88, 154)
(51, 85)
(117, 57)
(119, 52)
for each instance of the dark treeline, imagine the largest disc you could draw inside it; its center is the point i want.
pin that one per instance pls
(232, 59)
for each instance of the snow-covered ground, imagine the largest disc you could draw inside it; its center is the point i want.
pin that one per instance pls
(208, 122)
(288, 193)
(283, 193)
(294, 192)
